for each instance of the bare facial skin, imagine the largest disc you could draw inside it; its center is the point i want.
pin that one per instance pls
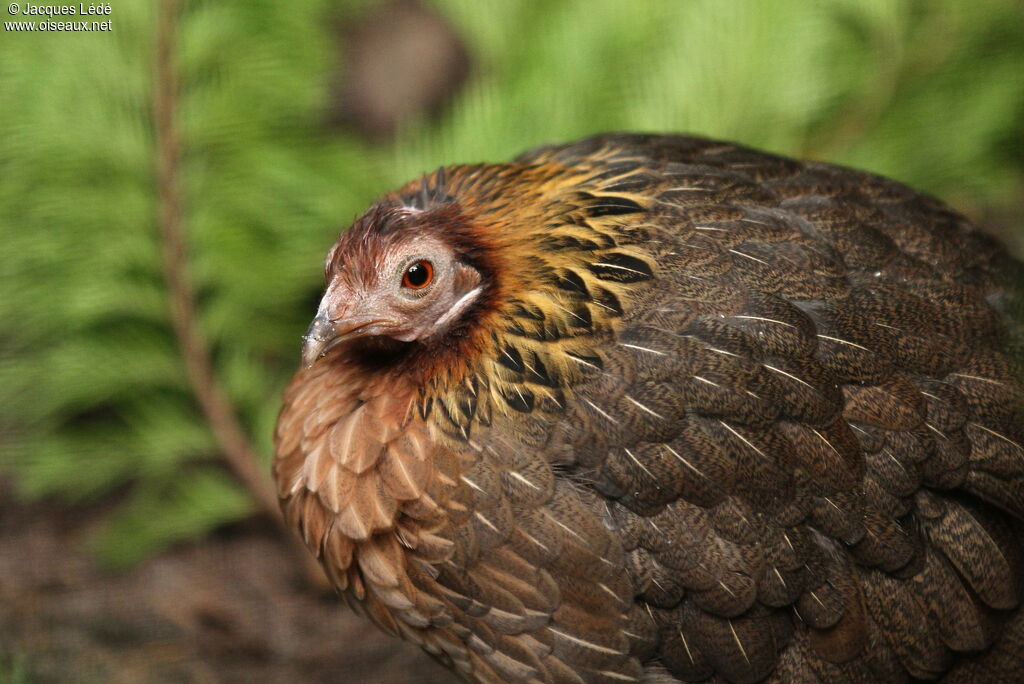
(413, 290)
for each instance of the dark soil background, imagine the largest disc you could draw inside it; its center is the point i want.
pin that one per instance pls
(231, 608)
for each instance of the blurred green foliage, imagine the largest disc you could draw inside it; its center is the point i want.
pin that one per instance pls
(14, 671)
(93, 395)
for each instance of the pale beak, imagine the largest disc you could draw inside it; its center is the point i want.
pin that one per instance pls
(324, 334)
(318, 339)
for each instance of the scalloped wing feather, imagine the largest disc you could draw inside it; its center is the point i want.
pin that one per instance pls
(737, 418)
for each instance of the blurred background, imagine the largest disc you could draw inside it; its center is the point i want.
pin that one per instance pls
(168, 190)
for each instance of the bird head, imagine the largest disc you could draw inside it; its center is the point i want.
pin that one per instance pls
(397, 274)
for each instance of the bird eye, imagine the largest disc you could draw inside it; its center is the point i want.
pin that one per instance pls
(418, 275)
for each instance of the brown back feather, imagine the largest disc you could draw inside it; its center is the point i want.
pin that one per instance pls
(728, 415)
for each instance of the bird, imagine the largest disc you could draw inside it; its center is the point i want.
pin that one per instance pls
(656, 408)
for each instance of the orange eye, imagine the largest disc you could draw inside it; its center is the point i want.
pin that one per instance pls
(418, 275)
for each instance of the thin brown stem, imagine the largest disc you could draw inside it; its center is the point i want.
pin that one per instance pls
(224, 424)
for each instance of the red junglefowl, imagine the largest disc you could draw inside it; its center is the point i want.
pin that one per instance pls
(655, 408)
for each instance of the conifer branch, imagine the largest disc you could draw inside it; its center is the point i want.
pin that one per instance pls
(231, 439)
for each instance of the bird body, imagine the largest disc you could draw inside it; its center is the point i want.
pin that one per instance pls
(657, 408)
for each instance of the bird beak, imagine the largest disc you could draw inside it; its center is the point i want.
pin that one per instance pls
(324, 334)
(318, 339)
